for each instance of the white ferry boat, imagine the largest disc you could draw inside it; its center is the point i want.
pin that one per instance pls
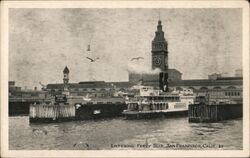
(152, 103)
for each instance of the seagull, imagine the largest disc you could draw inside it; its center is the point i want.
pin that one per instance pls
(138, 58)
(92, 60)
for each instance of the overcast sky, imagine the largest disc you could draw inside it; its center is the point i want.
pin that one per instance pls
(43, 41)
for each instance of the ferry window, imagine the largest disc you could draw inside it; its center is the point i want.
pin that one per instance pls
(225, 93)
(238, 93)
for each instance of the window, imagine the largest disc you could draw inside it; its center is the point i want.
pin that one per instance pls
(203, 88)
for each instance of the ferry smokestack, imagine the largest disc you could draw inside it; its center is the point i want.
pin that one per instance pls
(163, 81)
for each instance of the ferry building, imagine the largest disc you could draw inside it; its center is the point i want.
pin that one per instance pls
(216, 86)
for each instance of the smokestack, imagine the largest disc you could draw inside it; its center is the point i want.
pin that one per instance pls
(163, 81)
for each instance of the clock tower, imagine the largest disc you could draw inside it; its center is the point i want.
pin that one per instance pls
(159, 50)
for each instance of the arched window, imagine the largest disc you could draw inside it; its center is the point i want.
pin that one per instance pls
(203, 88)
(102, 89)
(191, 88)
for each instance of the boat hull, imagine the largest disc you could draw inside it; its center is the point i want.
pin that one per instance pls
(97, 111)
(151, 115)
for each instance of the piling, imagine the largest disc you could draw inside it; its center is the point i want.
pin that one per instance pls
(213, 113)
(51, 113)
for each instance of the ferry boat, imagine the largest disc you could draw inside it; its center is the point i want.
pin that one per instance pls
(152, 103)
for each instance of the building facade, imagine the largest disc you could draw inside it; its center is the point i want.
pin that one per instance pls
(215, 87)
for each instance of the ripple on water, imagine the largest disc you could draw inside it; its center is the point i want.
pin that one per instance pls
(100, 134)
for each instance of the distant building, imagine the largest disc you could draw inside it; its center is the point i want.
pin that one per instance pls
(17, 92)
(92, 88)
(13, 87)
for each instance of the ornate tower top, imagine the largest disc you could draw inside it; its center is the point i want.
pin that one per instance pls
(66, 70)
(159, 43)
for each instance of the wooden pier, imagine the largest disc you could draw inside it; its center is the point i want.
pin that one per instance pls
(51, 113)
(213, 113)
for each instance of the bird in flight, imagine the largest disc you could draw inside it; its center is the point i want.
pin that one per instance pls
(138, 58)
(92, 60)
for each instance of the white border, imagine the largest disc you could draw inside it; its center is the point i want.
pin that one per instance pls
(122, 4)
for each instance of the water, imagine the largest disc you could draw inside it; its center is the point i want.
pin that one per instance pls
(117, 133)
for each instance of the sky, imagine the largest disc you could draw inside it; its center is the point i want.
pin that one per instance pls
(43, 41)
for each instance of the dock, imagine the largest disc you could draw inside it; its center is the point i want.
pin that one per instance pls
(19, 106)
(202, 112)
(51, 113)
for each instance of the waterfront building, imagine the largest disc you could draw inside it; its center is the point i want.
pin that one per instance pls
(17, 93)
(216, 86)
(91, 88)
(13, 87)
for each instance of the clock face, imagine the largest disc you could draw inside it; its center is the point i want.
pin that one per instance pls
(157, 61)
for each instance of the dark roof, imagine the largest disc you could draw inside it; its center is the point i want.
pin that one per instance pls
(122, 84)
(66, 70)
(229, 78)
(205, 82)
(200, 82)
(91, 84)
(76, 85)
(55, 86)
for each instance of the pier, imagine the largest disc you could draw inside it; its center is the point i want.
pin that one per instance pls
(20, 106)
(51, 113)
(213, 113)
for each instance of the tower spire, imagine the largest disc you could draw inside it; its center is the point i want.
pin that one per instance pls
(159, 15)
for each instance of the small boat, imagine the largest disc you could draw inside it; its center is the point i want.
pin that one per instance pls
(95, 112)
(153, 103)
